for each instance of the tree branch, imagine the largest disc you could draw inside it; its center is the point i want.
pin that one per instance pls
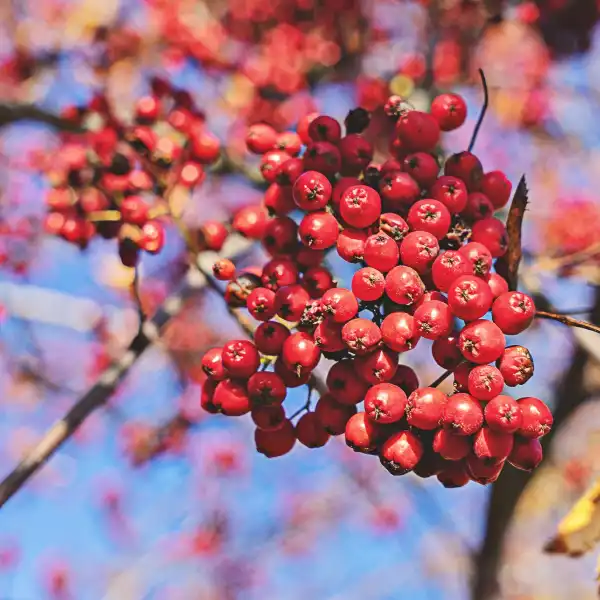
(14, 113)
(566, 320)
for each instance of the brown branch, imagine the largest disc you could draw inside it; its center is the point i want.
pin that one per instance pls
(566, 320)
(441, 379)
(508, 265)
(14, 113)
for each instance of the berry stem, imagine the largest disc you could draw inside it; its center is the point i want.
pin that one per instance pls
(483, 110)
(306, 406)
(441, 379)
(566, 320)
(135, 292)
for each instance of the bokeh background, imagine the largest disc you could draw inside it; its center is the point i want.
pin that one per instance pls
(200, 515)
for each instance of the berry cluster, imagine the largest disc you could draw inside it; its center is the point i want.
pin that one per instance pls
(426, 245)
(113, 179)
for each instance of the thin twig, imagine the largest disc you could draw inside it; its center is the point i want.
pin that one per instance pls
(306, 406)
(135, 291)
(14, 113)
(441, 379)
(566, 320)
(483, 110)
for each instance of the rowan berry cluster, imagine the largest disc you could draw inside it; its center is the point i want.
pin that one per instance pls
(113, 178)
(425, 243)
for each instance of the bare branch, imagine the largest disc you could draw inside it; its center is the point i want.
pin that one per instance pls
(14, 113)
(566, 320)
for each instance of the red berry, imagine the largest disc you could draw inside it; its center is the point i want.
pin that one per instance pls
(503, 414)
(516, 365)
(328, 336)
(317, 280)
(479, 257)
(310, 432)
(491, 232)
(261, 304)
(206, 148)
(224, 269)
(266, 388)
(497, 284)
(449, 110)
(270, 163)
(462, 415)
(434, 319)
(448, 267)
(362, 434)
(497, 188)
(450, 446)
(212, 364)
(469, 297)
(513, 312)
(278, 199)
(279, 272)
(406, 379)
(401, 452)
(418, 250)
(368, 284)
(344, 383)
(537, 418)
(134, 210)
(360, 206)
(385, 403)
(356, 153)
(478, 207)
(465, 166)
(268, 417)
(207, 397)
(340, 303)
(425, 408)
(431, 216)
(332, 415)
(399, 332)
(454, 475)
(422, 167)
(260, 138)
(290, 302)
(300, 352)
(312, 191)
(232, 398)
(240, 358)
(292, 378)
(275, 442)
(325, 129)
(452, 192)
(404, 286)
(319, 230)
(461, 375)
(381, 252)
(341, 185)
(492, 446)
(485, 382)
(446, 353)
(418, 131)
(378, 366)
(399, 191)
(394, 225)
(269, 337)
(526, 454)
(250, 222)
(288, 172)
(290, 142)
(361, 336)
(307, 257)
(351, 244)
(303, 125)
(323, 157)
(153, 237)
(481, 471)
(481, 342)
(280, 236)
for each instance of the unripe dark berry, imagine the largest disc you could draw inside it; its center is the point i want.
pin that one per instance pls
(344, 383)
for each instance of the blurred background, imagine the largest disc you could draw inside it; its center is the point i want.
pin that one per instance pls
(142, 504)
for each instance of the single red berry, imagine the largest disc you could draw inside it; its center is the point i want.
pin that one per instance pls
(497, 188)
(451, 446)
(250, 222)
(394, 225)
(362, 434)
(398, 191)
(319, 230)
(275, 442)
(418, 131)
(212, 235)
(431, 216)
(207, 397)
(303, 125)
(312, 191)
(492, 446)
(356, 153)
(406, 379)
(368, 284)
(454, 475)
(279, 200)
(425, 408)
(379, 366)
(469, 297)
(497, 284)
(503, 414)
(223, 269)
(478, 207)
(449, 110)
(448, 267)
(452, 192)
(465, 166)
(232, 398)
(268, 416)
(147, 109)
(422, 167)
(325, 129)
(260, 138)
(280, 236)
(351, 244)
(317, 281)
(212, 364)
(360, 206)
(481, 471)
(340, 303)
(261, 304)
(404, 286)
(361, 336)
(385, 403)
(345, 384)
(153, 237)
(205, 147)
(279, 272)
(401, 452)
(240, 358)
(399, 332)
(300, 352)
(537, 418)
(479, 257)
(328, 336)
(527, 454)
(266, 388)
(341, 185)
(323, 157)
(291, 377)
(491, 232)
(516, 365)
(434, 319)
(462, 415)
(269, 337)
(418, 250)
(461, 375)
(134, 210)
(513, 312)
(270, 163)
(310, 432)
(290, 142)
(481, 342)
(288, 171)
(381, 252)
(307, 257)
(485, 382)
(446, 353)
(332, 415)
(290, 302)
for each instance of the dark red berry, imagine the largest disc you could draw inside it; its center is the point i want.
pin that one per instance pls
(290, 302)
(280, 236)
(462, 415)
(481, 342)
(344, 383)
(418, 131)
(317, 280)
(537, 418)
(422, 167)
(312, 191)
(516, 365)
(481, 471)
(446, 353)
(268, 416)
(261, 304)
(323, 157)
(266, 388)
(325, 129)
(527, 454)
(270, 163)
(454, 475)
(478, 207)
(399, 191)
(469, 297)
(406, 379)
(332, 415)
(275, 442)
(310, 432)
(292, 377)
(465, 166)
(279, 272)
(461, 375)
(401, 452)
(269, 337)
(240, 358)
(356, 153)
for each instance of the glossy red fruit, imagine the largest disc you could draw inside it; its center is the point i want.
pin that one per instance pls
(368, 284)
(232, 398)
(317, 281)
(418, 250)
(223, 269)
(340, 186)
(310, 432)
(399, 332)
(465, 166)
(323, 157)
(292, 378)
(452, 192)
(269, 337)
(265, 388)
(280, 236)
(385, 403)
(205, 147)
(303, 125)
(516, 365)
(449, 110)
(454, 475)
(497, 188)
(485, 382)
(212, 364)
(422, 167)
(356, 153)
(361, 336)
(479, 257)
(404, 286)
(492, 446)
(270, 163)
(478, 207)
(251, 221)
(307, 257)
(513, 312)
(261, 304)
(340, 303)
(425, 408)
(275, 442)
(300, 352)
(319, 230)
(268, 416)
(332, 415)
(328, 336)
(312, 191)
(482, 471)
(379, 366)
(290, 302)
(207, 397)
(260, 138)
(279, 272)
(325, 129)
(451, 446)
(434, 319)
(491, 232)
(381, 252)
(406, 379)
(461, 375)
(448, 267)
(394, 225)
(526, 454)
(481, 342)
(399, 191)
(401, 452)
(446, 353)
(351, 244)
(153, 237)
(362, 434)
(431, 216)
(469, 297)
(344, 383)
(360, 206)
(290, 142)
(288, 172)
(212, 235)
(503, 414)
(537, 418)
(462, 415)
(240, 358)
(418, 131)
(497, 284)
(278, 199)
